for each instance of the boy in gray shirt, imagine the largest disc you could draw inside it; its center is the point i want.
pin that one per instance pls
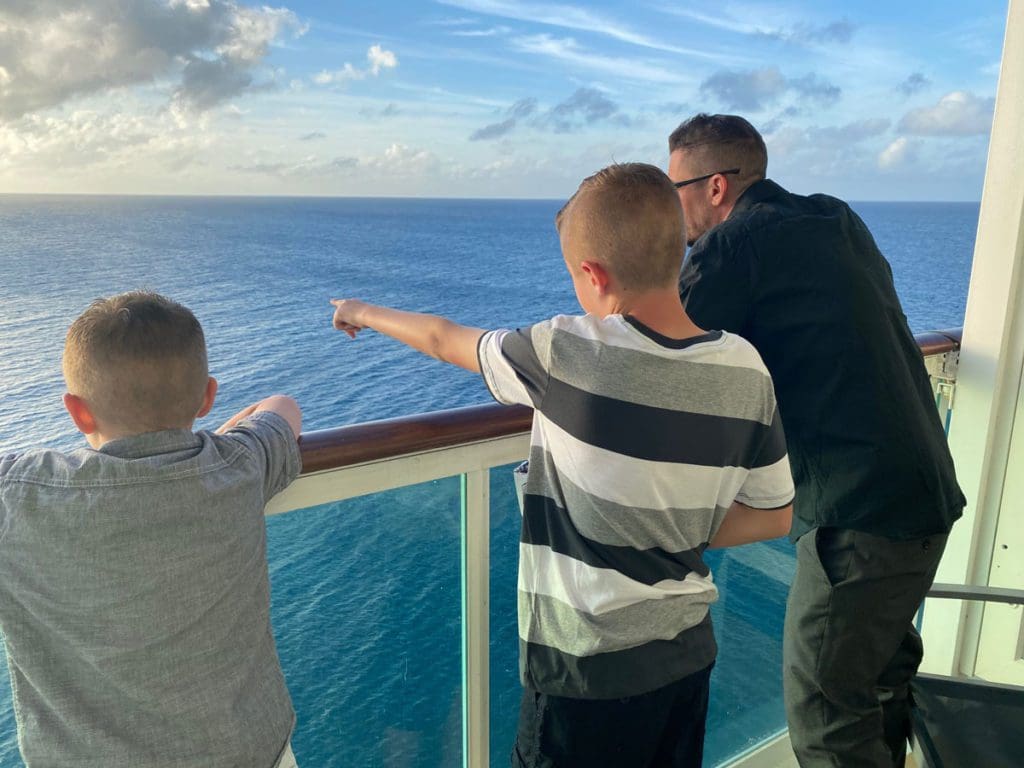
(134, 593)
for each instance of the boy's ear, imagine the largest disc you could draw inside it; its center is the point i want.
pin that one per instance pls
(80, 414)
(208, 397)
(597, 275)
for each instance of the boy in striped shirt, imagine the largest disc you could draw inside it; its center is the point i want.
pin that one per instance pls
(652, 440)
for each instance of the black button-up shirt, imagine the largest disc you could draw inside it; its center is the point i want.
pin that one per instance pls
(802, 279)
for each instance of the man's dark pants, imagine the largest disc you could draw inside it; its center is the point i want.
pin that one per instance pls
(663, 728)
(850, 648)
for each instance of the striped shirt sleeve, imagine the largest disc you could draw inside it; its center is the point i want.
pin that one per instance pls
(514, 365)
(769, 484)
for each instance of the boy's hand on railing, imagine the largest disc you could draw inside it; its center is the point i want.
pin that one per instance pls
(282, 405)
(347, 315)
(247, 411)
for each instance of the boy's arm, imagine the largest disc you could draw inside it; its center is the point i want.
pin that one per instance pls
(743, 525)
(429, 334)
(282, 405)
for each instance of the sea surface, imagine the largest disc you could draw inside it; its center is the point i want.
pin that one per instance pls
(366, 592)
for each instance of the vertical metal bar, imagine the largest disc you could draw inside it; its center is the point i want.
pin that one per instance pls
(476, 534)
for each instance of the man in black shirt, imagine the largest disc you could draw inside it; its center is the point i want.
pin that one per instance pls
(802, 279)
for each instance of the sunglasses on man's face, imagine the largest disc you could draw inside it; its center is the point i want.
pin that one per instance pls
(678, 184)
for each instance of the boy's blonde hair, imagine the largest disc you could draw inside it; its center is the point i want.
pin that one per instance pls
(138, 360)
(628, 218)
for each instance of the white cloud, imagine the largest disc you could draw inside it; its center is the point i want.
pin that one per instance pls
(381, 59)
(378, 58)
(58, 50)
(959, 113)
(489, 32)
(898, 154)
(87, 138)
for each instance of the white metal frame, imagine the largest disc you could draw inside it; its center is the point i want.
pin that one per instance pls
(989, 376)
(472, 462)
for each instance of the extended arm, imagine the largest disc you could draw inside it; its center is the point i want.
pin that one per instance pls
(743, 525)
(429, 334)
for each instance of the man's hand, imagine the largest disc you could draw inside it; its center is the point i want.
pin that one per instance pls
(347, 314)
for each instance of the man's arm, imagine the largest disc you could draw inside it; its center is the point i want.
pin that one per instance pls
(715, 284)
(429, 334)
(282, 405)
(743, 525)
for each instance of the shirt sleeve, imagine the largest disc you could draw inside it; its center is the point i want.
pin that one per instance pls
(515, 364)
(269, 439)
(716, 284)
(769, 484)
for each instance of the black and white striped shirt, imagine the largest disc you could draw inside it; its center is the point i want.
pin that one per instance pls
(640, 444)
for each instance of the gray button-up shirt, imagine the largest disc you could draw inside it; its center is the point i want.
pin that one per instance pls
(135, 599)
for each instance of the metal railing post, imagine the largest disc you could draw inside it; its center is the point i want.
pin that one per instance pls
(476, 521)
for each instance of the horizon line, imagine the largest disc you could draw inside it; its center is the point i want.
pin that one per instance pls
(243, 196)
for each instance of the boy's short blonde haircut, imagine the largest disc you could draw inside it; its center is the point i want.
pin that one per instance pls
(628, 218)
(139, 362)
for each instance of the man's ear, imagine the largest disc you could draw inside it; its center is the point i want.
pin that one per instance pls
(208, 397)
(718, 189)
(80, 414)
(597, 275)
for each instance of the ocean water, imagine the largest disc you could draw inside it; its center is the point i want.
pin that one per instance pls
(366, 592)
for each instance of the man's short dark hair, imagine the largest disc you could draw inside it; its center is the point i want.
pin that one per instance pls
(721, 141)
(138, 360)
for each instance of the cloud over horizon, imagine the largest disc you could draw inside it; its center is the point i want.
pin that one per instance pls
(757, 89)
(959, 113)
(211, 49)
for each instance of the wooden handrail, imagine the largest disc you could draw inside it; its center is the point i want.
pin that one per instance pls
(376, 440)
(386, 439)
(939, 342)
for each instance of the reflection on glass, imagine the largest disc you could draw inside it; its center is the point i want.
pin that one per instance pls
(366, 605)
(746, 686)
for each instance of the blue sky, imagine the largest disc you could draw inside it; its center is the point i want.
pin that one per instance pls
(494, 98)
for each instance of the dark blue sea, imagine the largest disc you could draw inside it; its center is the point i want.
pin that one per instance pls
(366, 599)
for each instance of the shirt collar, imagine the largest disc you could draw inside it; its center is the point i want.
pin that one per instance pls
(757, 192)
(151, 443)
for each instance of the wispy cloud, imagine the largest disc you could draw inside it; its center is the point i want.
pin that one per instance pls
(567, 50)
(754, 90)
(307, 167)
(914, 83)
(520, 110)
(572, 17)
(388, 110)
(489, 32)
(378, 60)
(585, 107)
(801, 32)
